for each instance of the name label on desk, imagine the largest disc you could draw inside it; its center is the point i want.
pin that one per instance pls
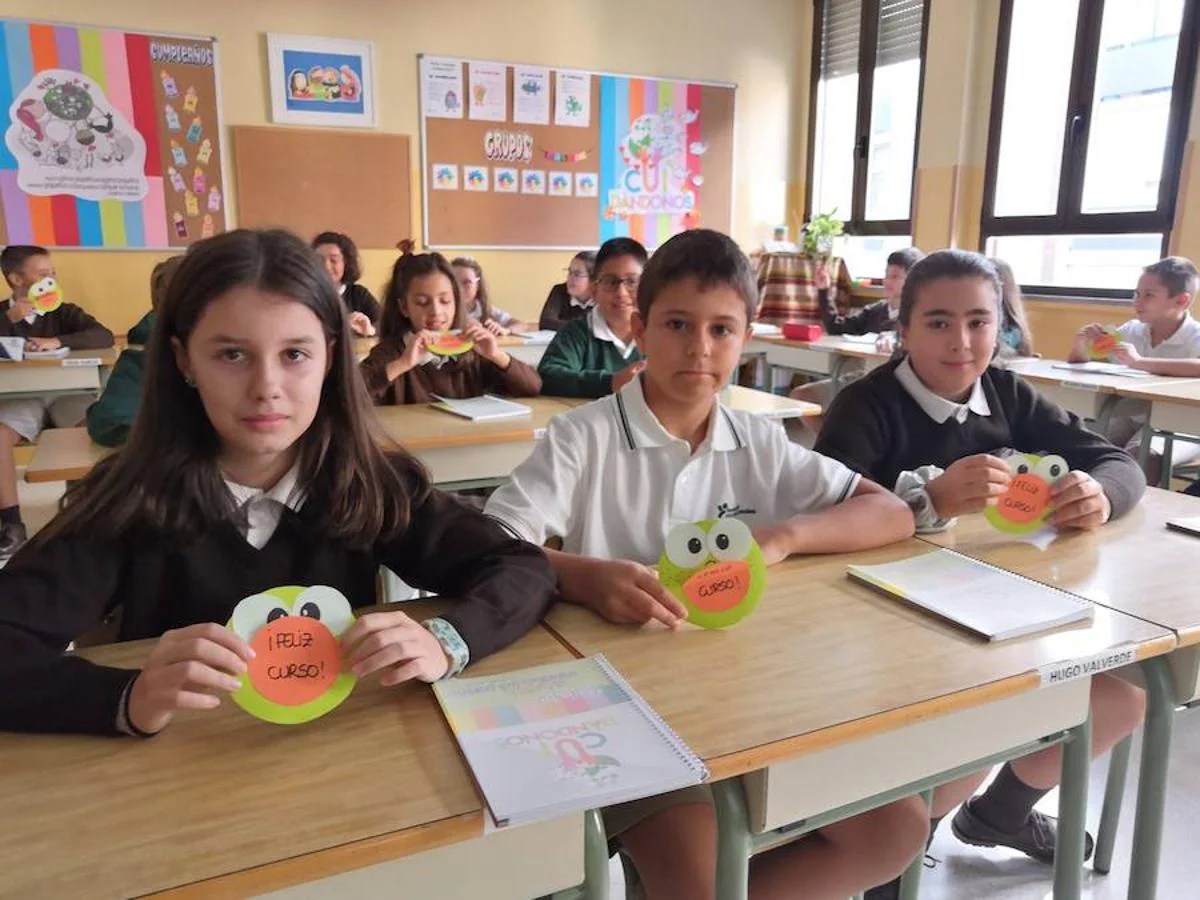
(81, 362)
(1081, 386)
(1085, 667)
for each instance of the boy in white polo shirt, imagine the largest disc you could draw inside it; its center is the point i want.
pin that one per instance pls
(1164, 339)
(613, 477)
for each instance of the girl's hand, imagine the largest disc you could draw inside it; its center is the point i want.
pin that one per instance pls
(495, 328)
(397, 646)
(485, 344)
(969, 485)
(415, 345)
(1078, 501)
(189, 668)
(361, 325)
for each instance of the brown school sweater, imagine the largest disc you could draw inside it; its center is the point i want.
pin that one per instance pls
(469, 375)
(69, 323)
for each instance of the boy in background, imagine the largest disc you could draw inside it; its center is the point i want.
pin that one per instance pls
(1164, 339)
(23, 419)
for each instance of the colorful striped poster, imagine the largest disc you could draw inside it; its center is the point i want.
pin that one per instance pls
(650, 176)
(110, 138)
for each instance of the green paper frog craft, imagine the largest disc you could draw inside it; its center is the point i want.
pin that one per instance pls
(296, 675)
(1023, 508)
(716, 569)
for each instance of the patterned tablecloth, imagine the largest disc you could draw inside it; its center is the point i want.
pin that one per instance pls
(786, 291)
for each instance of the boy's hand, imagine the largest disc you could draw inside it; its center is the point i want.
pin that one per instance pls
(1127, 356)
(626, 375)
(624, 592)
(42, 343)
(1091, 331)
(821, 279)
(19, 310)
(1078, 501)
(969, 485)
(772, 541)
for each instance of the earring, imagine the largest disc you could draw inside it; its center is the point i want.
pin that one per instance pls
(187, 379)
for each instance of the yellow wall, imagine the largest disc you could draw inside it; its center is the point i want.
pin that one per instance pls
(759, 48)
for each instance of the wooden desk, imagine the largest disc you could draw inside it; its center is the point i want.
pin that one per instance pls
(74, 374)
(836, 699)
(64, 454)
(1139, 567)
(222, 805)
(826, 357)
(1087, 394)
(762, 403)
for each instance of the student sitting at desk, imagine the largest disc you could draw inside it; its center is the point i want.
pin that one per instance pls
(422, 302)
(68, 326)
(612, 477)
(931, 425)
(340, 256)
(1164, 339)
(253, 466)
(110, 418)
(595, 354)
(878, 318)
(474, 292)
(1016, 338)
(571, 299)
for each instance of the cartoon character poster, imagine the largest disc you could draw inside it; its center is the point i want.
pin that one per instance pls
(110, 138)
(650, 185)
(321, 81)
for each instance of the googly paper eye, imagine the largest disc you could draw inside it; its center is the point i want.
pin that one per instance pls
(687, 546)
(327, 605)
(729, 539)
(1051, 468)
(1021, 463)
(252, 613)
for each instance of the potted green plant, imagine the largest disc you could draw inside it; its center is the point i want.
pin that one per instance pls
(819, 233)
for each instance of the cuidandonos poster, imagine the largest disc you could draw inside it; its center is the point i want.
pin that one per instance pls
(111, 138)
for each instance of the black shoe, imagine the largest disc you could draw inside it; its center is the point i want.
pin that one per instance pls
(889, 891)
(12, 536)
(1036, 837)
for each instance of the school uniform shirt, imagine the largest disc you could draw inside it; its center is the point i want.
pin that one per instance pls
(561, 308)
(499, 316)
(69, 323)
(889, 422)
(110, 419)
(612, 482)
(1183, 344)
(468, 375)
(54, 592)
(357, 298)
(873, 318)
(582, 358)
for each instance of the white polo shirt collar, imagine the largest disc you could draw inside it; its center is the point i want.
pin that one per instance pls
(601, 330)
(259, 511)
(641, 429)
(939, 408)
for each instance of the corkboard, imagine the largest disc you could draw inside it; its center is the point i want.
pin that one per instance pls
(699, 185)
(310, 180)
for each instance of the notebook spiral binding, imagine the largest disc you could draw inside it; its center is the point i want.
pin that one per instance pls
(665, 731)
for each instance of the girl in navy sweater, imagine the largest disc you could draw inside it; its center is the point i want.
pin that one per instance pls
(252, 465)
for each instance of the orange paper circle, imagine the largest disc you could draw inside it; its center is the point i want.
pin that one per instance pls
(718, 587)
(296, 660)
(1026, 499)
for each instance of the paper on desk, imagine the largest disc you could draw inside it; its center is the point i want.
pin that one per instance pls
(12, 349)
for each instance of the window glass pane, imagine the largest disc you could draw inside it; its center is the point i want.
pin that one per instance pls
(866, 256)
(1111, 261)
(837, 106)
(895, 98)
(1135, 74)
(1036, 83)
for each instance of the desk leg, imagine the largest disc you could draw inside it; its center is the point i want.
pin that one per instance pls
(1152, 780)
(595, 862)
(1072, 812)
(1144, 447)
(734, 843)
(910, 881)
(1104, 413)
(835, 375)
(1110, 815)
(1164, 468)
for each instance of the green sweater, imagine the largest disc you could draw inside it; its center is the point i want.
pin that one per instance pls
(579, 364)
(110, 418)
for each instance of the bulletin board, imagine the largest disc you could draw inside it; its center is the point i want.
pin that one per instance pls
(111, 138)
(310, 180)
(525, 157)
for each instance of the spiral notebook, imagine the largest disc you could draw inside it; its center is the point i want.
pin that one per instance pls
(984, 599)
(554, 739)
(487, 408)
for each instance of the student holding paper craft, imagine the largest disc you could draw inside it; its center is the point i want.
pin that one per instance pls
(612, 477)
(408, 365)
(110, 419)
(253, 466)
(571, 299)
(69, 327)
(340, 256)
(1164, 339)
(931, 425)
(474, 292)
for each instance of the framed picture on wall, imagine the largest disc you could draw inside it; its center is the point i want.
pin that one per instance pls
(322, 81)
